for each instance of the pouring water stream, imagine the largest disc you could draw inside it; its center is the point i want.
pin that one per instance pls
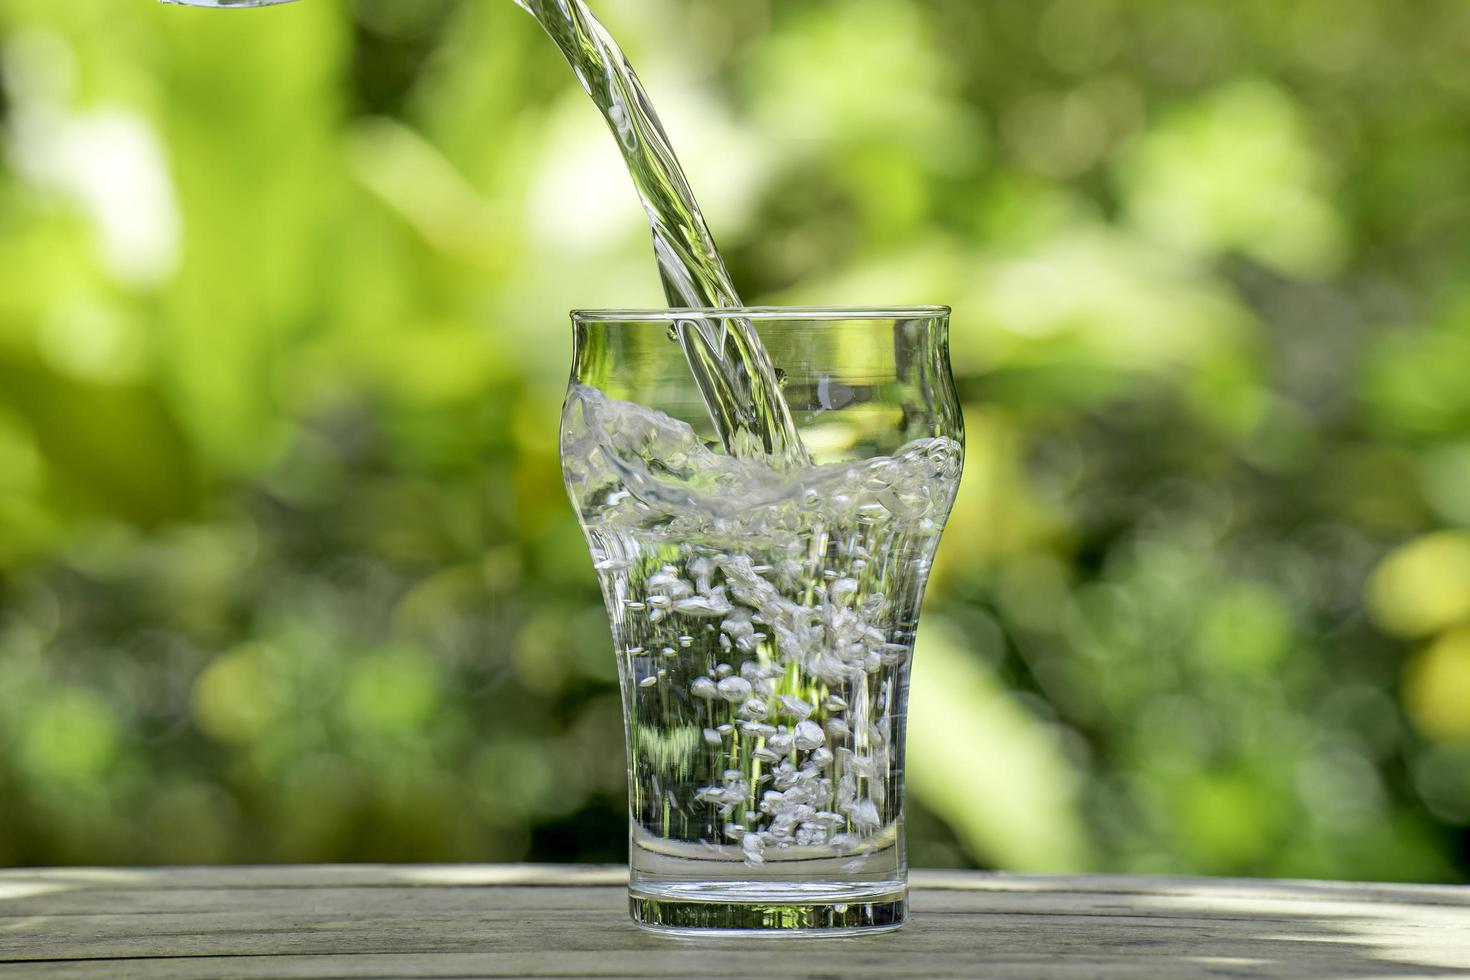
(730, 366)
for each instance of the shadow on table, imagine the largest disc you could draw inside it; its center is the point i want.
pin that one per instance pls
(1161, 926)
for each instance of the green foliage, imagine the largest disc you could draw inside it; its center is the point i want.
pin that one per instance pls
(286, 570)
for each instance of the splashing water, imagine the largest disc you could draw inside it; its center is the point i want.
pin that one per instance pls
(731, 367)
(764, 621)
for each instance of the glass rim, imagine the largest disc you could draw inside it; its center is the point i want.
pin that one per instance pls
(766, 313)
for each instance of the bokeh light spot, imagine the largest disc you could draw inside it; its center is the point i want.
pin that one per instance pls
(238, 695)
(72, 735)
(1424, 586)
(1247, 629)
(392, 693)
(1237, 170)
(1442, 779)
(1437, 688)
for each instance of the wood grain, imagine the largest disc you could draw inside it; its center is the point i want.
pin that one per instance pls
(524, 921)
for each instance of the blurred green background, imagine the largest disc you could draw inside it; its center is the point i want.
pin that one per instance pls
(286, 570)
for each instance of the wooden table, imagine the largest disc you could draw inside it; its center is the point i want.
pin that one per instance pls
(502, 921)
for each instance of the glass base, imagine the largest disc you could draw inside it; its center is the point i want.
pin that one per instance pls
(802, 910)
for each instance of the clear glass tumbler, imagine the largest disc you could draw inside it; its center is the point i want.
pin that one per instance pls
(763, 618)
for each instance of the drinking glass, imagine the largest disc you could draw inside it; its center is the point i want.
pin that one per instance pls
(763, 617)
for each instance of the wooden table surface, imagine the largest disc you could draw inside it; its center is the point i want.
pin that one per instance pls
(523, 921)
